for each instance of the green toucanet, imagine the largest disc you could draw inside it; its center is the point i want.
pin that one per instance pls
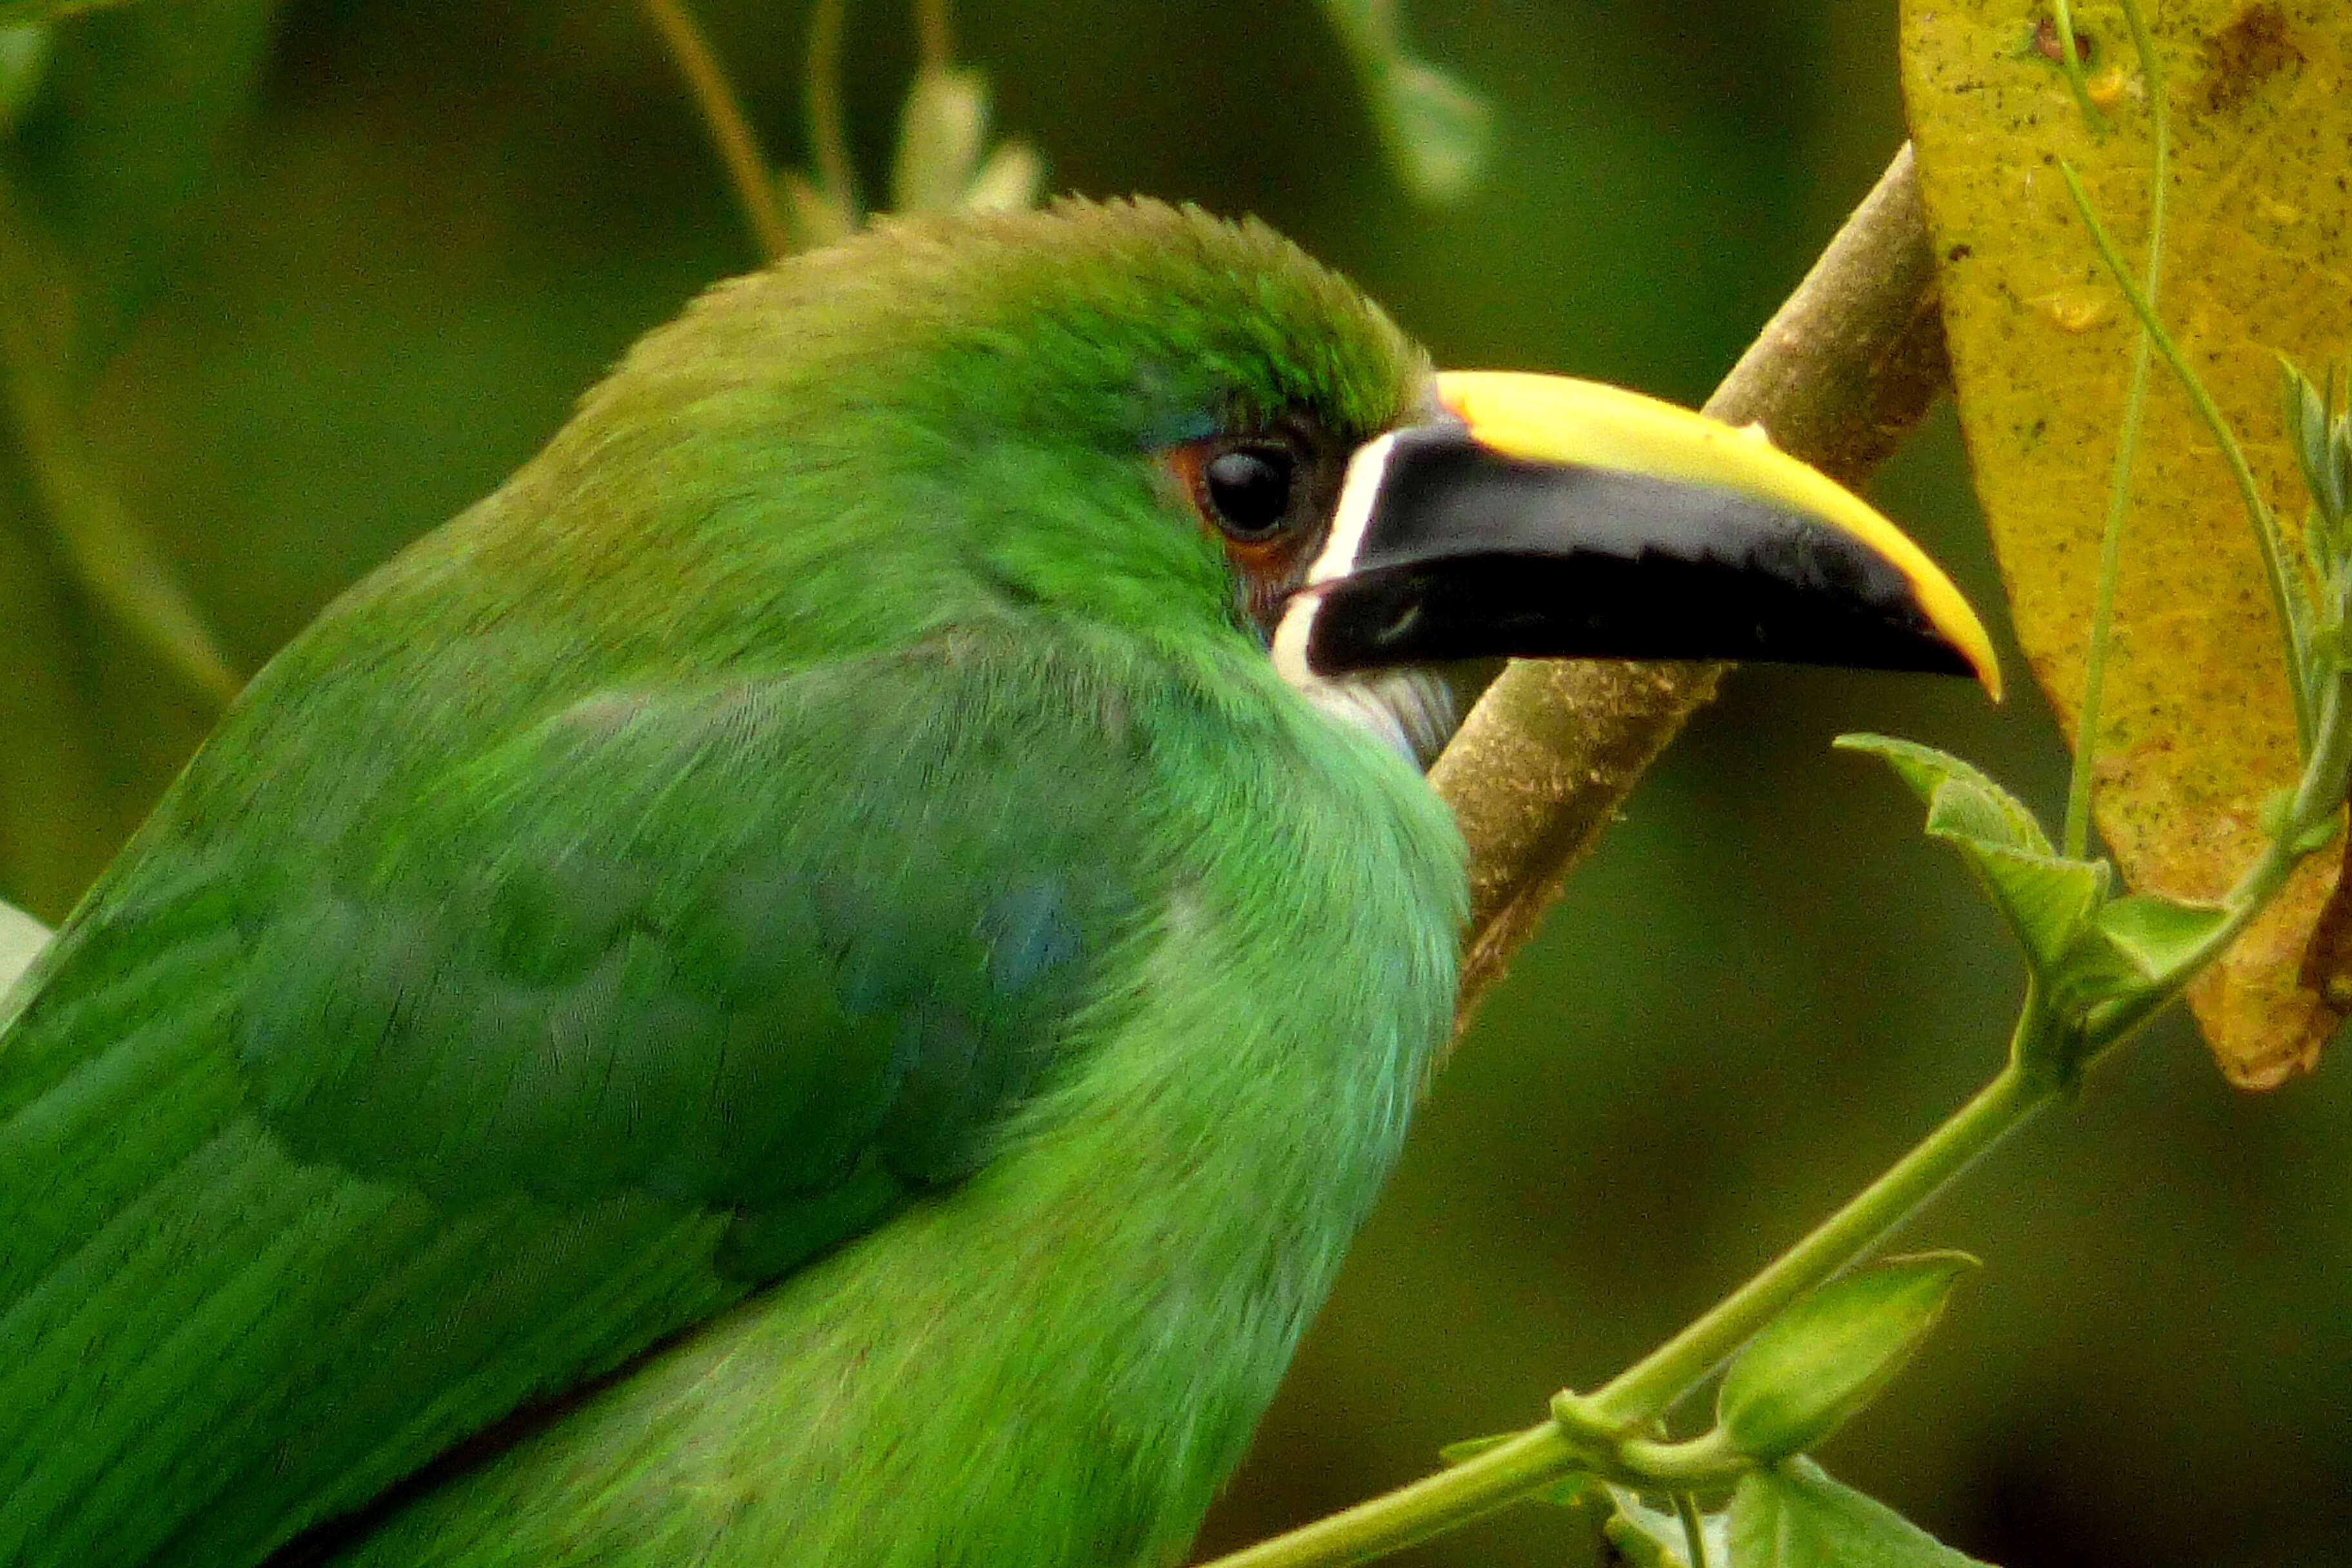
(899, 839)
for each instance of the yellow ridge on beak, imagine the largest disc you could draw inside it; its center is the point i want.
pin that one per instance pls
(1558, 419)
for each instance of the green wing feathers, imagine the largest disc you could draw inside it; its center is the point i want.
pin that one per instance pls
(312, 1164)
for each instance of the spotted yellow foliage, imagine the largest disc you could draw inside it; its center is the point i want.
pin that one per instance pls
(2196, 726)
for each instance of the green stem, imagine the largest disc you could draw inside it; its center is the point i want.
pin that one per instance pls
(934, 37)
(828, 141)
(1705, 1463)
(1694, 1529)
(1431, 1506)
(730, 130)
(1535, 1458)
(2249, 493)
(2070, 61)
(1646, 1390)
(2076, 835)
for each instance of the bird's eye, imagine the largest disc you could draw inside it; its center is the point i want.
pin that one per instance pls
(1247, 489)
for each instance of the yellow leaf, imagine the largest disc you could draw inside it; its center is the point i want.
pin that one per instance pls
(2196, 726)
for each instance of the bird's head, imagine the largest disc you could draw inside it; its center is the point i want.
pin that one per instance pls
(1143, 417)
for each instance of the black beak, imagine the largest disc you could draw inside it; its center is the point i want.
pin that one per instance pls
(1541, 518)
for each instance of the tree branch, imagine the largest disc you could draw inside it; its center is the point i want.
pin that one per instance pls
(1839, 376)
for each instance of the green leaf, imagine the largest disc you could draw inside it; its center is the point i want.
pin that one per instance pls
(1578, 1493)
(1827, 1356)
(2276, 813)
(2314, 433)
(816, 219)
(1794, 1516)
(941, 134)
(1962, 800)
(2339, 458)
(2323, 644)
(2092, 970)
(21, 938)
(1014, 177)
(2046, 898)
(2156, 934)
(2317, 837)
(942, 137)
(2052, 905)
(1435, 130)
(1471, 1448)
(2051, 902)
(1647, 1537)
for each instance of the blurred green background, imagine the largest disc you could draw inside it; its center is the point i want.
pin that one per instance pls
(344, 264)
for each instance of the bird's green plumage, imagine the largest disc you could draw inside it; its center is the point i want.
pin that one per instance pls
(1130, 1275)
(825, 821)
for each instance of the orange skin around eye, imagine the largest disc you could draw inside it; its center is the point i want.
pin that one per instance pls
(1268, 568)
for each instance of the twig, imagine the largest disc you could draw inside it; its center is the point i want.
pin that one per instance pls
(937, 39)
(828, 139)
(1844, 371)
(739, 147)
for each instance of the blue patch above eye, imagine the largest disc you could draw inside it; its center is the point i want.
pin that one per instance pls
(1174, 430)
(1167, 413)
